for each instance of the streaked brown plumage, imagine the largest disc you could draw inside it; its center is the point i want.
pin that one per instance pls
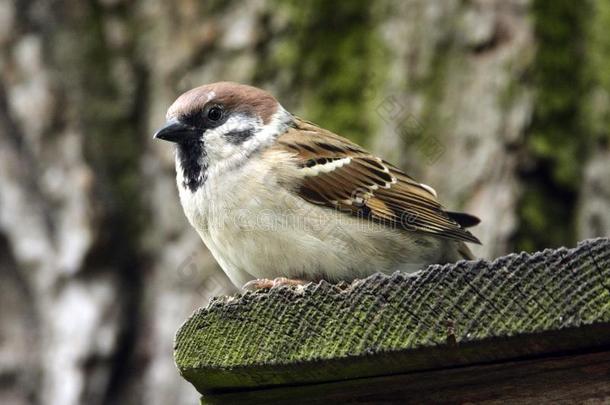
(367, 186)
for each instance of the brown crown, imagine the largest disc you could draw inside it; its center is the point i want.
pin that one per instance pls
(234, 97)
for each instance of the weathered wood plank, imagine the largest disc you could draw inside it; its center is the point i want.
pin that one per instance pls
(575, 378)
(444, 316)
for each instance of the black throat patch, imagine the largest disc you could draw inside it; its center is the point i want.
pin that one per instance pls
(194, 161)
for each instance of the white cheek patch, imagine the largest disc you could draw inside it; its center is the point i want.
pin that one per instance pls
(264, 135)
(219, 146)
(226, 154)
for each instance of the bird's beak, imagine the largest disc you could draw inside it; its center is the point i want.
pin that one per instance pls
(175, 131)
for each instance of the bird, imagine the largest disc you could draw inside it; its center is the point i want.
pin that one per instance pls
(281, 201)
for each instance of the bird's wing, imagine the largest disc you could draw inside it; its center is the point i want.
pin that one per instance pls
(339, 174)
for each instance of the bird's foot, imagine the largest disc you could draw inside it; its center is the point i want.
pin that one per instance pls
(267, 284)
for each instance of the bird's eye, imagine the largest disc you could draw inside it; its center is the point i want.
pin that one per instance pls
(215, 113)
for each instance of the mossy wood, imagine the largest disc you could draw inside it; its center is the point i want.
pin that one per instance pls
(469, 313)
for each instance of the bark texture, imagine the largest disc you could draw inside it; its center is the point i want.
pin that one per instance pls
(503, 106)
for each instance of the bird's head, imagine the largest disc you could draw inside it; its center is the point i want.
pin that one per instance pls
(221, 124)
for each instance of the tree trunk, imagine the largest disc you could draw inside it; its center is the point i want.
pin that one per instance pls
(491, 102)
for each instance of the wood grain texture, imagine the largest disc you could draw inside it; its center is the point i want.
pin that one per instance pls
(468, 313)
(564, 379)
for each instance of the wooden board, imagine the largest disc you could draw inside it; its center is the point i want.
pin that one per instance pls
(517, 306)
(572, 378)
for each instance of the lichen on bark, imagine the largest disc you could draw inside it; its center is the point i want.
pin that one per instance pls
(559, 139)
(319, 48)
(597, 72)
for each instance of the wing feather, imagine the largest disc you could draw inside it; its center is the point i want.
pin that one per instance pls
(364, 185)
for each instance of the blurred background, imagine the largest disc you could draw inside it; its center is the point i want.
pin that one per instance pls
(502, 105)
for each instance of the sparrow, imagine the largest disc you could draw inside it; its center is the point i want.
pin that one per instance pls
(278, 200)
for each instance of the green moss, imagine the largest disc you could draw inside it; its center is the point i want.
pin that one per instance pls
(597, 106)
(335, 56)
(111, 123)
(558, 135)
(399, 323)
(544, 220)
(559, 139)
